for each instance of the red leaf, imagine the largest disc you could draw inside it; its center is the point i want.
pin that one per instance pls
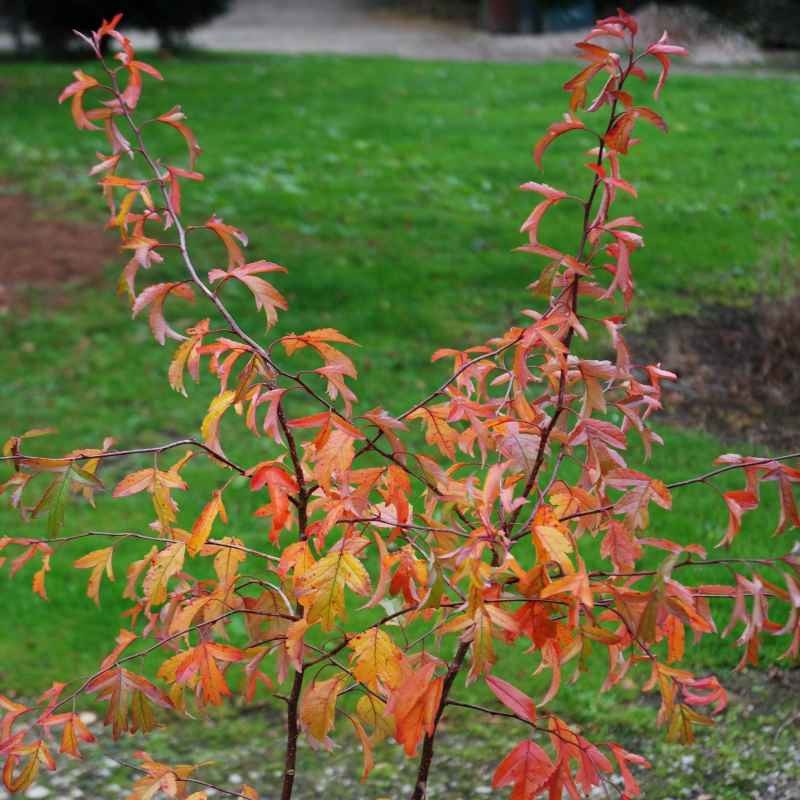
(738, 502)
(662, 50)
(557, 129)
(512, 698)
(527, 767)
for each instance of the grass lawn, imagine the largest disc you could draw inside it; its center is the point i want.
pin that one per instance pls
(388, 188)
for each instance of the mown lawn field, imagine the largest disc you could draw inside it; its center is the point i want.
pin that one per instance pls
(389, 191)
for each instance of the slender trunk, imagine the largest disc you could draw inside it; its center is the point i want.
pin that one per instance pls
(292, 733)
(426, 758)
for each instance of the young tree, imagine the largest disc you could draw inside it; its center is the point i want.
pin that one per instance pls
(478, 535)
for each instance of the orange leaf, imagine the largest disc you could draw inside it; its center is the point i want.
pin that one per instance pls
(76, 91)
(414, 705)
(154, 297)
(174, 117)
(202, 662)
(201, 529)
(317, 710)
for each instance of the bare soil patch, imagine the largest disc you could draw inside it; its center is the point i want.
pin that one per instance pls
(44, 251)
(737, 368)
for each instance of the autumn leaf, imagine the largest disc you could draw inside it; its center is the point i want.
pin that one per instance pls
(662, 50)
(618, 137)
(438, 431)
(231, 237)
(76, 90)
(201, 663)
(39, 577)
(268, 298)
(682, 722)
(135, 482)
(512, 698)
(623, 758)
(577, 85)
(551, 538)
(281, 486)
(388, 426)
(621, 546)
(35, 755)
(165, 566)
(642, 490)
(738, 502)
(174, 118)
(377, 660)
(161, 779)
(317, 710)
(366, 747)
(201, 529)
(187, 357)
(98, 561)
(154, 297)
(527, 768)
(372, 713)
(570, 123)
(320, 590)
(414, 706)
(210, 426)
(130, 699)
(75, 731)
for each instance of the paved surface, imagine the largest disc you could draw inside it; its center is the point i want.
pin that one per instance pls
(350, 26)
(347, 26)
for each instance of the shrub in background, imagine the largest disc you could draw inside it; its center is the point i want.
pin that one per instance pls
(54, 20)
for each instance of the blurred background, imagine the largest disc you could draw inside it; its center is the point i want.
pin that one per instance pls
(375, 150)
(417, 26)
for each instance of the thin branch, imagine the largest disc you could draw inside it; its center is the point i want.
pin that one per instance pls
(728, 468)
(86, 456)
(193, 781)
(144, 537)
(421, 785)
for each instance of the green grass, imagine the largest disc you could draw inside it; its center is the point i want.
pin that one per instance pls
(388, 189)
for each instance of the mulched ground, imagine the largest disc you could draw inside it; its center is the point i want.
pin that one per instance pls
(738, 370)
(43, 251)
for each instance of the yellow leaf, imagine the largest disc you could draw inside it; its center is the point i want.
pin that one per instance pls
(551, 539)
(97, 561)
(377, 659)
(320, 590)
(37, 753)
(210, 426)
(372, 712)
(167, 563)
(483, 655)
(680, 726)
